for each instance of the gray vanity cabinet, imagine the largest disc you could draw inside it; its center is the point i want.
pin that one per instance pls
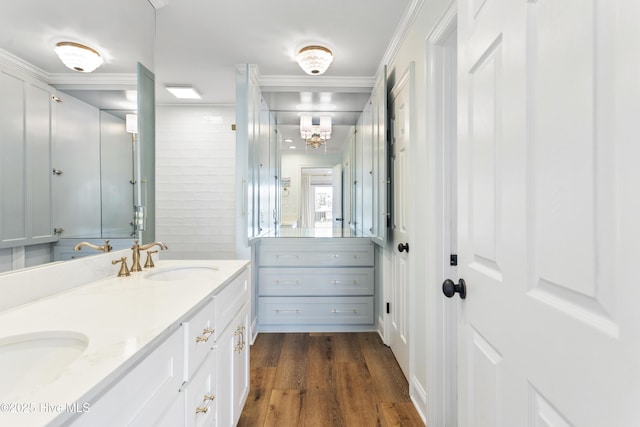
(27, 113)
(315, 284)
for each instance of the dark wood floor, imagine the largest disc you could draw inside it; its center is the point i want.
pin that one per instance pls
(332, 379)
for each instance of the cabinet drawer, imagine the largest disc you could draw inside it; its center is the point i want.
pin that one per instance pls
(316, 311)
(329, 255)
(200, 394)
(315, 281)
(200, 335)
(230, 299)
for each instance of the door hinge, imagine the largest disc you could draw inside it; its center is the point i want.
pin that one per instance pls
(388, 308)
(453, 259)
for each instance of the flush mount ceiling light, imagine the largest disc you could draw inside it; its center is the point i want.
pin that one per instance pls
(78, 57)
(183, 91)
(315, 136)
(314, 60)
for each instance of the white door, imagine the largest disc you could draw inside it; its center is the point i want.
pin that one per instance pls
(549, 332)
(398, 338)
(336, 199)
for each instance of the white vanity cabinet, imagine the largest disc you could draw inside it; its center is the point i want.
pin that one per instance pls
(217, 361)
(147, 394)
(27, 125)
(198, 376)
(310, 284)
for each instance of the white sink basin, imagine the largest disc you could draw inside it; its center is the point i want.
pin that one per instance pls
(35, 359)
(183, 273)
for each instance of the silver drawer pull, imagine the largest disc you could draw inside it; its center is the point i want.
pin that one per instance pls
(287, 256)
(278, 311)
(336, 311)
(344, 282)
(339, 255)
(286, 282)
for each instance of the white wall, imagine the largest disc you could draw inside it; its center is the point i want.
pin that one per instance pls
(195, 181)
(291, 163)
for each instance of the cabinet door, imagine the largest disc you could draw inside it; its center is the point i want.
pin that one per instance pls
(26, 132)
(39, 136)
(233, 369)
(241, 340)
(13, 207)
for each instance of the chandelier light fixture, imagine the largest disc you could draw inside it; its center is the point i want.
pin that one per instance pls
(315, 136)
(78, 57)
(314, 60)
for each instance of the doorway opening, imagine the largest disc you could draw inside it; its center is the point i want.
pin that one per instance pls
(320, 197)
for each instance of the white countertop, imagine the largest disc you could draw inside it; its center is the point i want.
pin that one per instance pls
(123, 319)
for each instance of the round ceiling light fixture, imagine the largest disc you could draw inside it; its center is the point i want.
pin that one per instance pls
(78, 57)
(314, 59)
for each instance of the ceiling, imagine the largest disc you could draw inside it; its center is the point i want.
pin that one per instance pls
(199, 43)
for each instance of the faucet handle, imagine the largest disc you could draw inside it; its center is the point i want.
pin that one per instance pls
(149, 263)
(124, 271)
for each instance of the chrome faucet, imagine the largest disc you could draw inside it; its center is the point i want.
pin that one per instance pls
(136, 248)
(104, 248)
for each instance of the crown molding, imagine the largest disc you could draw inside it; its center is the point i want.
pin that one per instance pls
(69, 80)
(158, 4)
(283, 83)
(93, 81)
(401, 32)
(10, 60)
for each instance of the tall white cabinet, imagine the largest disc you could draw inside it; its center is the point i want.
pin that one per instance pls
(27, 128)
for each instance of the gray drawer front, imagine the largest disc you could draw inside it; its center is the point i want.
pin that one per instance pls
(315, 311)
(316, 256)
(315, 281)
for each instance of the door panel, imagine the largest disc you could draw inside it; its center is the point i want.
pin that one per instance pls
(486, 369)
(400, 261)
(548, 331)
(566, 221)
(485, 193)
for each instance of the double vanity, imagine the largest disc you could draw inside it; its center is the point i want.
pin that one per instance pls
(165, 346)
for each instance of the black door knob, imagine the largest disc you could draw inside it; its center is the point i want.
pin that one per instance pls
(403, 247)
(449, 288)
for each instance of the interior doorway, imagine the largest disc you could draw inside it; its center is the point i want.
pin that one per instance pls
(320, 196)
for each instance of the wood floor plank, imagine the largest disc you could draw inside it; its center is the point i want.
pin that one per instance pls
(355, 393)
(389, 381)
(320, 366)
(401, 414)
(326, 379)
(292, 364)
(262, 381)
(266, 350)
(285, 409)
(322, 409)
(347, 348)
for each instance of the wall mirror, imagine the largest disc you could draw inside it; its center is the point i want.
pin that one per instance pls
(86, 202)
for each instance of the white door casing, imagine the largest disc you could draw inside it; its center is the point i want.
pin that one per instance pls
(548, 228)
(399, 300)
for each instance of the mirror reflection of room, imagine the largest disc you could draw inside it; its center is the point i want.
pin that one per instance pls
(311, 192)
